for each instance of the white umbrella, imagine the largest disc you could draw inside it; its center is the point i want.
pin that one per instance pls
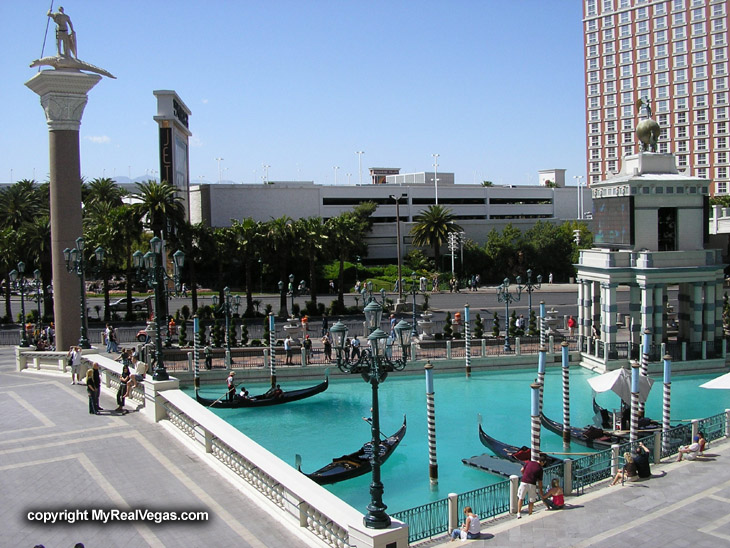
(619, 381)
(722, 382)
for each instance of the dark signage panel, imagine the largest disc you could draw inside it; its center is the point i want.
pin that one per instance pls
(166, 155)
(613, 222)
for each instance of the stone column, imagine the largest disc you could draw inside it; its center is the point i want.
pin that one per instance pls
(610, 312)
(595, 291)
(635, 314)
(581, 313)
(659, 328)
(709, 323)
(718, 308)
(647, 308)
(63, 98)
(696, 332)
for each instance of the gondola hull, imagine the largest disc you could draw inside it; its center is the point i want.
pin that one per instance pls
(357, 463)
(509, 452)
(262, 400)
(584, 436)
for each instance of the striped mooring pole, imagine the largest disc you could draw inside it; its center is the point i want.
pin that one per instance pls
(535, 437)
(646, 345)
(634, 432)
(467, 340)
(566, 392)
(667, 399)
(433, 467)
(196, 348)
(541, 358)
(272, 351)
(543, 337)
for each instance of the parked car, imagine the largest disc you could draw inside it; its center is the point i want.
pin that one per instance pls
(120, 305)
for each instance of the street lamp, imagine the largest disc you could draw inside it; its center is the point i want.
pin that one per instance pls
(373, 365)
(359, 163)
(219, 160)
(18, 279)
(530, 287)
(151, 270)
(504, 296)
(367, 294)
(414, 332)
(38, 284)
(336, 168)
(75, 263)
(398, 240)
(578, 181)
(229, 306)
(436, 176)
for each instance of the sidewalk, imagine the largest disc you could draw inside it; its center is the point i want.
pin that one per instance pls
(684, 504)
(54, 455)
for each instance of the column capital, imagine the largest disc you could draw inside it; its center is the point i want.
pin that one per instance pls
(63, 96)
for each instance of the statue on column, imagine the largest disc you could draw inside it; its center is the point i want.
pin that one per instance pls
(67, 57)
(65, 40)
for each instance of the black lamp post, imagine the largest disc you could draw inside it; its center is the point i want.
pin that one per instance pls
(367, 294)
(18, 279)
(76, 263)
(229, 305)
(530, 287)
(504, 296)
(292, 289)
(38, 297)
(151, 270)
(414, 291)
(374, 366)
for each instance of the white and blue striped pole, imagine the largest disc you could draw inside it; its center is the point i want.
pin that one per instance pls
(433, 468)
(196, 347)
(634, 432)
(272, 345)
(535, 426)
(541, 358)
(566, 392)
(646, 344)
(467, 340)
(667, 399)
(543, 335)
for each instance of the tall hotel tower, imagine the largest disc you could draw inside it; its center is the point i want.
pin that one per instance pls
(673, 52)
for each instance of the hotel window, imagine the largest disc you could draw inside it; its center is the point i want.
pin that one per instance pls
(660, 36)
(718, 9)
(663, 148)
(595, 154)
(628, 150)
(720, 128)
(592, 38)
(592, 51)
(682, 161)
(627, 124)
(719, 54)
(718, 69)
(591, 7)
(595, 141)
(609, 61)
(661, 51)
(624, 30)
(642, 54)
(681, 117)
(677, 5)
(718, 40)
(679, 33)
(595, 128)
(610, 113)
(642, 41)
(593, 89)
(660, 9)
(699, 43)
(702, 173)
(698, 28)
(663, 120)
(699, 58)
(623, 19)
(593, 77)
(681, 146)
(700, 86)
(662, 92)
(701, 130)
(701, 145)
(624, 3)
(701, 158)
(680, 75)
(627, 71)
(643, 67)
(595, 167)
(594, 102)
(721, 98)
(661, 64)
(609, 47)
(721, 113)
(626, 58)
(609, 74)
(644, 82)
(627, 97)
(678, 19)
(612, 166)
(680, 61)
(627, 111)
(608, 21)
(611, 140)
(698, 14)
(681, 103)
(662, 106)
(610, 127)
(643, 27)
(592, 25)
(721, 157)
(719, 83)
(680, 89)
(701, 116)
(718, 24)
(609, 87)
(680, 47)
(594, 116)
(642, 13)
(593, 64)
(627, 83)
(607, 5)
(721, 187)
(660, 23)
(608, 34)
(610, 100)
(628, 137)
(682, 132)
(625, 44)
(700, 72)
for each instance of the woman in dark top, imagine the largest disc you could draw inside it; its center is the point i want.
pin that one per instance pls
(122, 392)
(91, 390)
(629, 472)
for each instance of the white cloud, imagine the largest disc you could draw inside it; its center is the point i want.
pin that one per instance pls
(98, 139)
(205, 101)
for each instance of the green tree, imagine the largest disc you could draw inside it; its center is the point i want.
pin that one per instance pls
(432, 228)
(495, 325)
(448, 329)
(279, 235)
(478, 327)
(161, 206)
(532, 324)
(313, 239)
(248, 234)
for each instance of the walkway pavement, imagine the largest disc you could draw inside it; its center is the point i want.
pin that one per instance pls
(55, 456)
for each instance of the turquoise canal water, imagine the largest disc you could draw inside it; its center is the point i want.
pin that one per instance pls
(330, 424)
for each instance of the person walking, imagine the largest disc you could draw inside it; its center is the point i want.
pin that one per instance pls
(74, 361)
(531, 484)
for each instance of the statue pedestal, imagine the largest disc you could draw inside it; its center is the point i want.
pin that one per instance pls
(63, 96)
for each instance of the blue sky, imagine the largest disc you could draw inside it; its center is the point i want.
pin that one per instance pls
(495, 87)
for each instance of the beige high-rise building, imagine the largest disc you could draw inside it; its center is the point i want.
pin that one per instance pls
(673, 52)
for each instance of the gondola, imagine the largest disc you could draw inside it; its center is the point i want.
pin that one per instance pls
(263, 400)
(592, 437)
(645, 424)
(511, 452)
(357, 463)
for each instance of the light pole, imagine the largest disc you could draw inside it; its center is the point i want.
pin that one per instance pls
(436, 176)
(578, 181)
(291, 291)
(75, 263)
(367, 294)
(336, 168)
(414, 280)
(397, 200)
(504, 296)
(229, 305)
(359, 163)
(530, 287)
(219, 160)
(151, 269)
(38, 284)
(373, 365)
(18, 279)
(266, 173)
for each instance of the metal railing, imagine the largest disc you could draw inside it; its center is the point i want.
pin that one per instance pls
(428, 520)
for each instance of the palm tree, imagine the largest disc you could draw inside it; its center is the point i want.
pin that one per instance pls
(36, 238)
(196, 241)
(162, 207)
(312, 236)
(343, 232)
(279, 237)
(432, 228)
(19, 204)
(248, 237)
(8, 249)
(102, 190)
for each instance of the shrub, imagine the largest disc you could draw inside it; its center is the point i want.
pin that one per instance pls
(495, 325)
(257, 342)
(185, 310)
(182, 334)
(478, 327)
(448, 330)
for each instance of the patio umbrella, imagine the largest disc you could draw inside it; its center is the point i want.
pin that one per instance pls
(619, 381)
(722, 382)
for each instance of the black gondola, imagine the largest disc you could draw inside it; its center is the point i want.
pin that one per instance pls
(645, 424)
(509, 452)
(263, 400)
(592, 437)
(357, 463)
